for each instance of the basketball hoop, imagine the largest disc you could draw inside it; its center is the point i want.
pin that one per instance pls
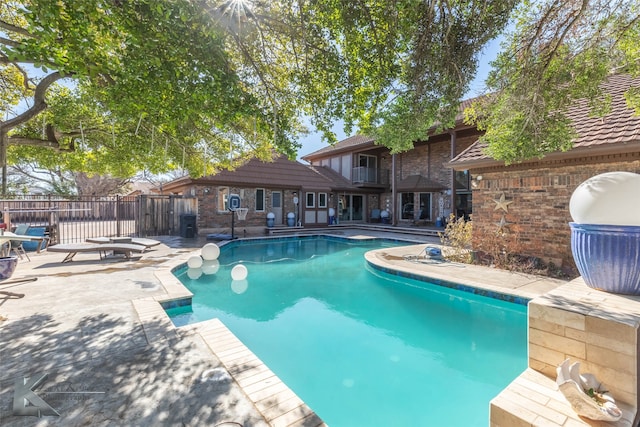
(242, 213)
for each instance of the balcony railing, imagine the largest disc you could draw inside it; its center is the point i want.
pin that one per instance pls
(374, 176)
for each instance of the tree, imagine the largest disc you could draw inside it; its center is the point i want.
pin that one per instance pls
(203, 84)
(154, 86)
(558, 52)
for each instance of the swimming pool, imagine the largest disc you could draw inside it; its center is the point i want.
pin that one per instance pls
(359, 346)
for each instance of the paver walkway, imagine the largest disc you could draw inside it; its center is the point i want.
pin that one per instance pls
(77, 324)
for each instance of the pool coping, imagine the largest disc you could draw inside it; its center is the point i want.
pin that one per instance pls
(272, 398)
(275, 401)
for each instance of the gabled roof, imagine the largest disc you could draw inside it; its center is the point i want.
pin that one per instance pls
(361, 142)
(618, 131)
(338, 182)
(349, 144)
(280, 173)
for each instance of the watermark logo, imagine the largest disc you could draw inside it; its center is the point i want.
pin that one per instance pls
(27, 402)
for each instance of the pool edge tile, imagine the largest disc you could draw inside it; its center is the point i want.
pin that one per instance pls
(262, 385)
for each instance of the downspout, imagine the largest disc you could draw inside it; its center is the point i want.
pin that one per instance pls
(394, 220)
(453, 172)
(429, 161)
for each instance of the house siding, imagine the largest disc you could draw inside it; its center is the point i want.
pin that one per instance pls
(539, 210)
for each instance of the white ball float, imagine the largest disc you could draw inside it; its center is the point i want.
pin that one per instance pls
(194, 261)
(210, 266)
(194, 273)
(210, 251)
(239, 272)
(239, 286)
(611, 198)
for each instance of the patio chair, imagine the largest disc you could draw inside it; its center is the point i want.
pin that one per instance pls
(35, 245)
(16, 245)
(375, 215)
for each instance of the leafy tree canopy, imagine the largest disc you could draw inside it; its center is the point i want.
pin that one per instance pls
(190, 84)
(558, 52)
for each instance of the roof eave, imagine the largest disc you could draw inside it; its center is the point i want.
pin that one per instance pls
(351, 149)
(620, 148)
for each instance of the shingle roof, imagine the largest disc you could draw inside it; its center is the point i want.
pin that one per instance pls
(363, 141)
(418, 183)
(282, 172)
(344, 145)
(620, 127)
(338, 182)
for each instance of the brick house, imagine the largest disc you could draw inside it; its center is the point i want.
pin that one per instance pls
(415, 187)
(531, 198)
(447, 173)
(356, 177)
(264, 187)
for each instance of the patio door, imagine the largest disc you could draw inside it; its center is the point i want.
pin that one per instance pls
(276, 206)
(351, 207)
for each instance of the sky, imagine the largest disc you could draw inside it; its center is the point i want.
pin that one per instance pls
(313, 141)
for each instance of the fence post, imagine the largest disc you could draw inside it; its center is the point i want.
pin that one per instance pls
(118, 216)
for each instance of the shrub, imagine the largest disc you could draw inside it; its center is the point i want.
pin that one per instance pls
(457, 240)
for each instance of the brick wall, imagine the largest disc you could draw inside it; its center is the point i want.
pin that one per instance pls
(430, 162)
(539, 208)
(417, 161)
(210, 218)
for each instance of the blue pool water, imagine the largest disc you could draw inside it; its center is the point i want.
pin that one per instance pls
(361, 347)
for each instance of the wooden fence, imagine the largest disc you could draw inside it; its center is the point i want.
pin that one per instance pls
(73, 220)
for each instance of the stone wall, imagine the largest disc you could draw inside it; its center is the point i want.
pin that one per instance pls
(537, 202)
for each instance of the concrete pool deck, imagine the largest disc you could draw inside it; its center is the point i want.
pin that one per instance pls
(113, 358)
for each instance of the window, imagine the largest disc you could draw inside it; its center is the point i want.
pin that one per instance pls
(223, 199)
(322, 200)
(462, 180)
(367, 169)
(406, 201)
(260, 200)
(311, 200)
(425, 206)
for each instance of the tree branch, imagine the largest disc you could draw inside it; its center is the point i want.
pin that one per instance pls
(42, 143)
(39, 103)
(9, 42)
(14, 28)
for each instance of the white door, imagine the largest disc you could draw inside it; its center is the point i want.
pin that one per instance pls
(276, 206)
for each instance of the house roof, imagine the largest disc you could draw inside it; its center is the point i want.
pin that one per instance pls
(338, 182)
(359, 141)
(418, 183)
(618, 131)
(280, 173)
(362, 141)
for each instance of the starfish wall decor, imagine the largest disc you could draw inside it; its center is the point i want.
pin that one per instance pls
(502, 203)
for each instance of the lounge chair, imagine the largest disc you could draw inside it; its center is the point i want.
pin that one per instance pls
(71, 249)
(147, 243)
(16, 245)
